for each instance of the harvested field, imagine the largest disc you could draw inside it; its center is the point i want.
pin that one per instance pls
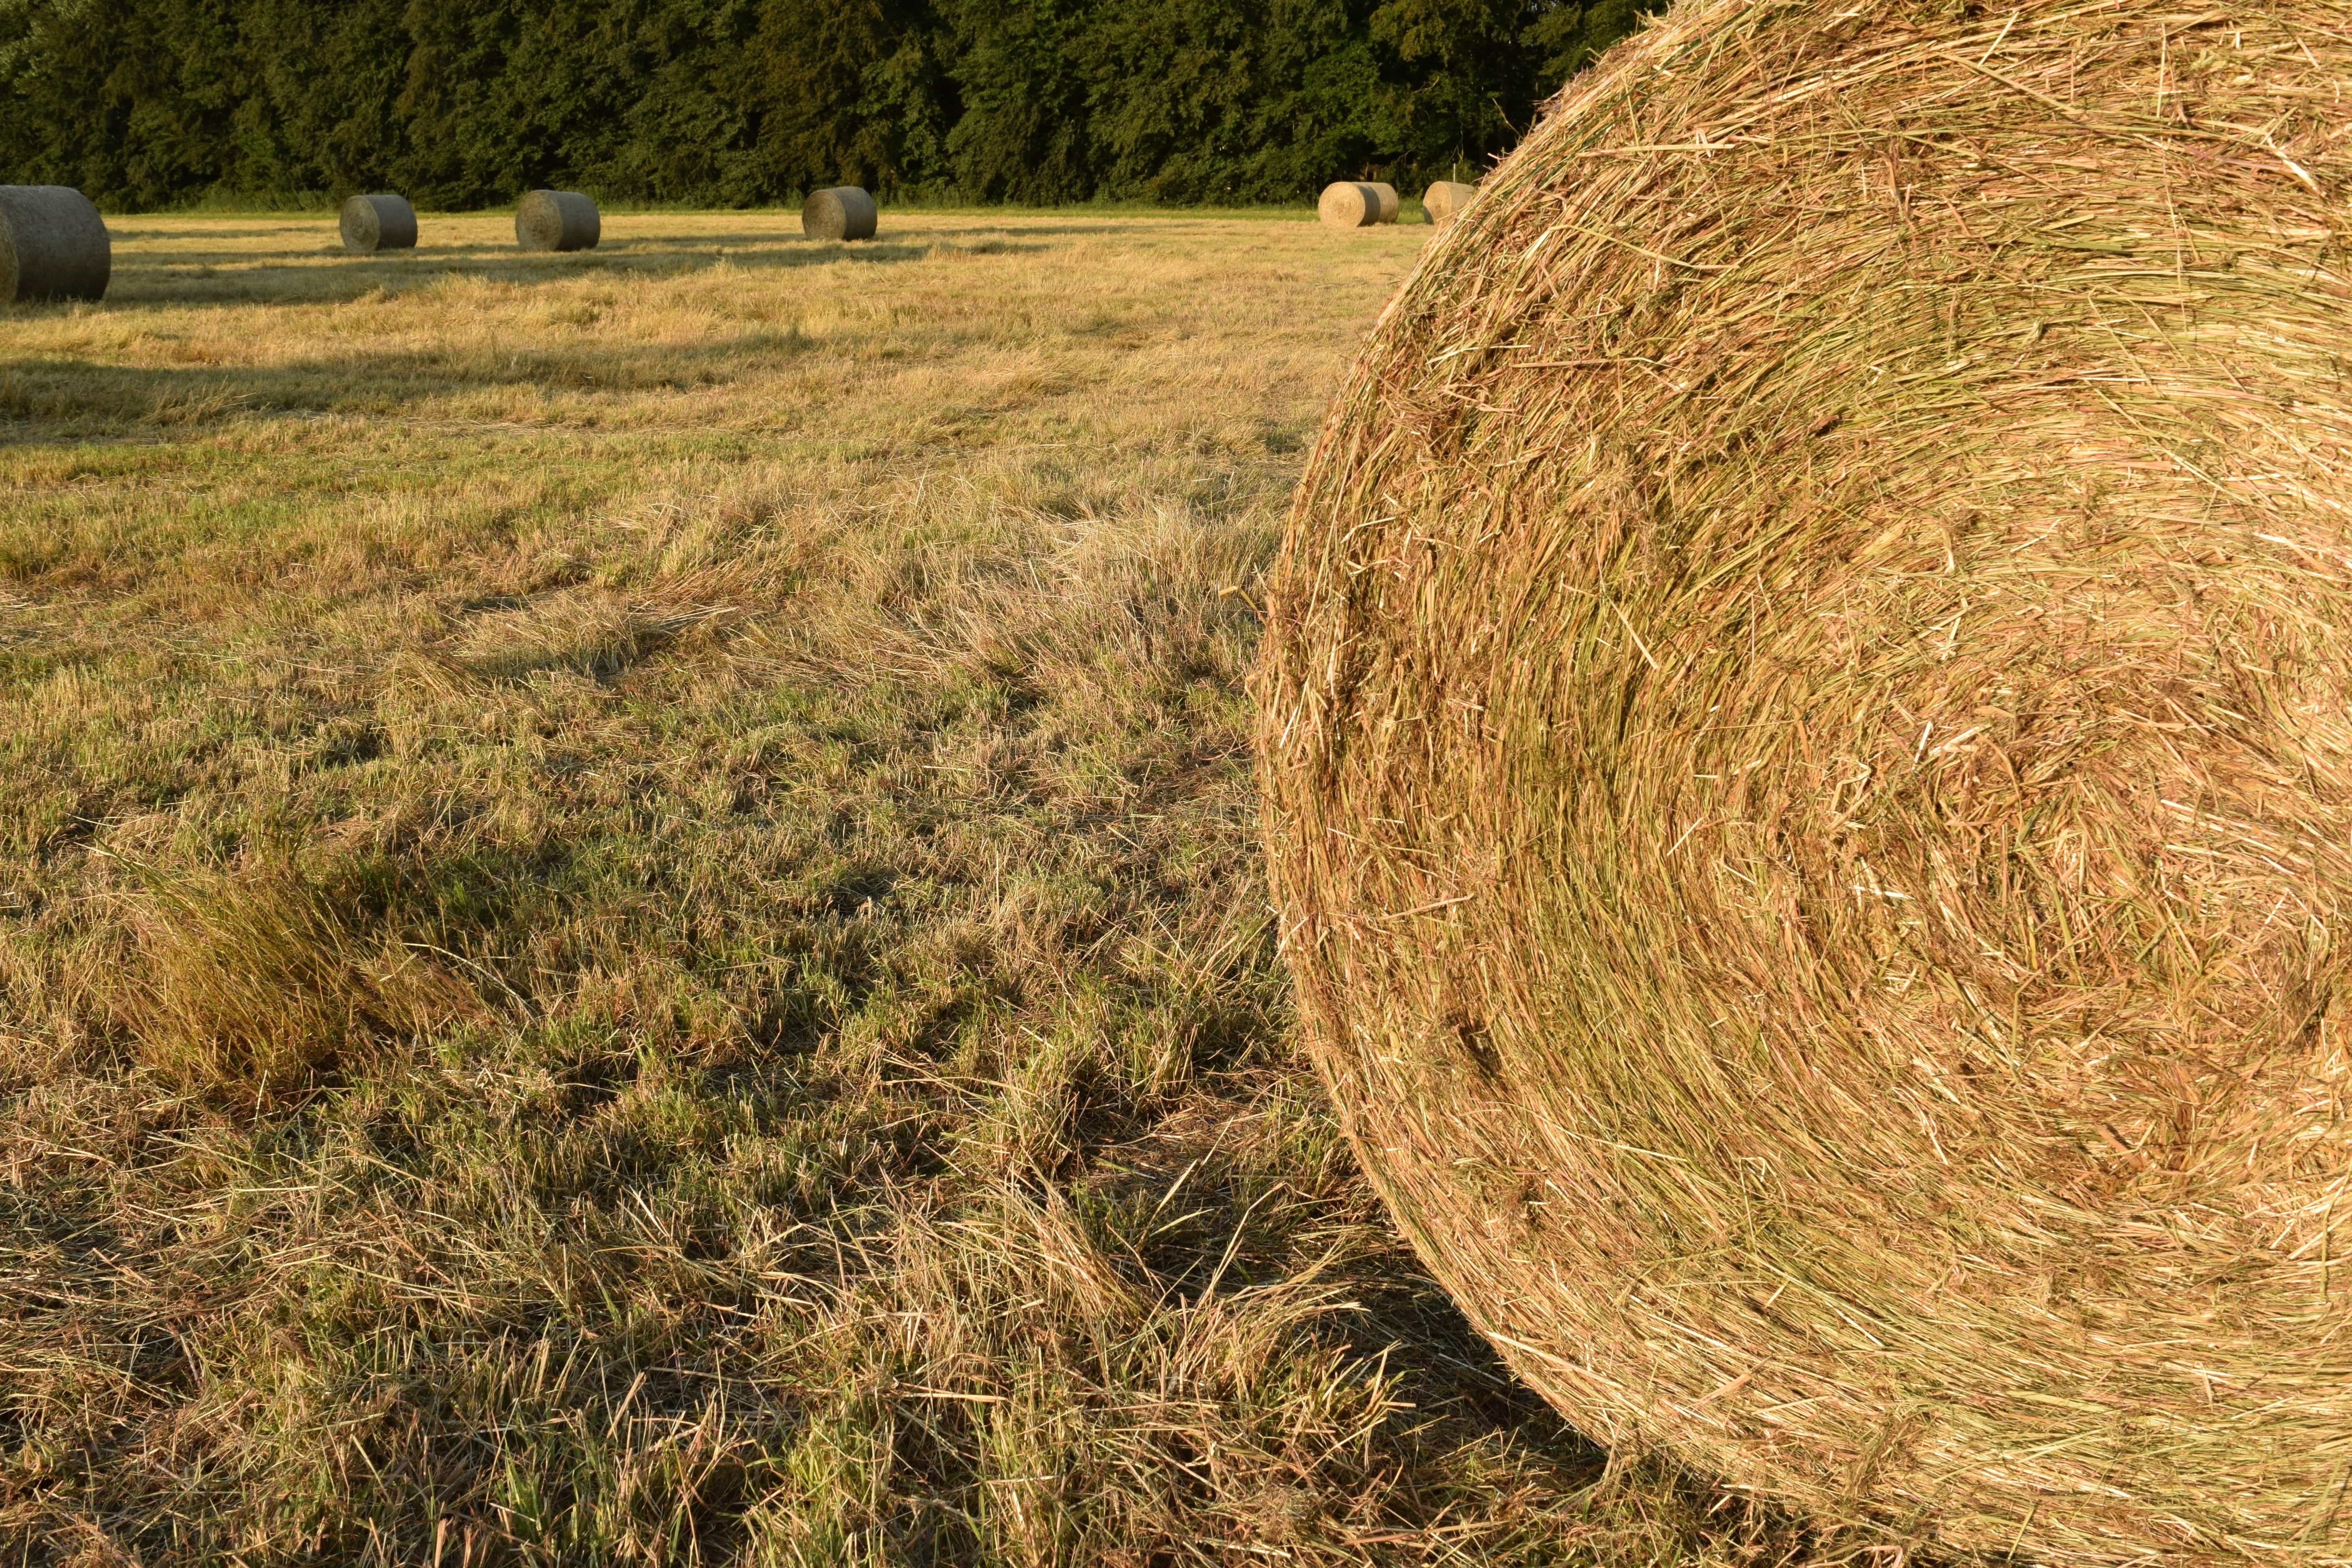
(630, 927)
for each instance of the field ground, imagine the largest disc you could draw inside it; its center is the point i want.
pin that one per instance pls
(629, 928)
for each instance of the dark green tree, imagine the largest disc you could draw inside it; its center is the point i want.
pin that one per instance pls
(805, 76)
(327, 115)
(146, 103)
(1563, 37)
(1464, 84)
(1021, 69)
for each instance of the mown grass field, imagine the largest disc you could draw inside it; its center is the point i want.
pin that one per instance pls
(630, 929)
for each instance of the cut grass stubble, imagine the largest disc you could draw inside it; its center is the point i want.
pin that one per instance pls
(628, 928)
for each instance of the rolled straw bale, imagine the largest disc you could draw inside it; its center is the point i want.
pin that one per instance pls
(1444, 198)
(380, 221)
(53, 245)
(1351, 204)
(1807, 768)
(844, 212)
(556, 220)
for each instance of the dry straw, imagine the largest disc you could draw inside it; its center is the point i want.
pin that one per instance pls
(844, 212)
(1444, 198)
(380, 221)
(53, 245)
(1809, 771)
(1357, 203)
(557, 220)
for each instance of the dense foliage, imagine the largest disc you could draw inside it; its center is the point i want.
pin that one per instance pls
(465, 103)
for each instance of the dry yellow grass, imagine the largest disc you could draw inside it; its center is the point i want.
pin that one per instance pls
(628, 925)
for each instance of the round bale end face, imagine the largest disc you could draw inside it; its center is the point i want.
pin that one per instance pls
(1810, 806)
(378, 222)
(1444, 198)
(1349, 204)
(53, 245)
(843, 213)
(557, 220)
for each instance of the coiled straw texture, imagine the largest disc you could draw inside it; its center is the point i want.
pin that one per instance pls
(842, 211)
(1357, 203)
(1444, 198)
(382, 221)
(557, 220)
(1807, 740)
(53, 245)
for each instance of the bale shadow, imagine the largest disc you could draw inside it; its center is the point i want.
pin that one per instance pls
(48, 399)
(120, 229)
(1113, 226)
(328, 276)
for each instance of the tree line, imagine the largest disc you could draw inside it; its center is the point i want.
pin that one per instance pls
(464, 103)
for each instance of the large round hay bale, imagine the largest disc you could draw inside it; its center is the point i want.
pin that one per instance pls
(379, 222)
(53, 245)
(1355, 203)
(1444, 198)
(1808, 750)
(557, 220)
(844, 212)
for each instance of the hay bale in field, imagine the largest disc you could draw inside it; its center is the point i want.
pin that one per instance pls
(53, 245)
(1444, 198)
(379, 222)
(1808, 775)
(844, 212)
(1357, 203)
(557, 220)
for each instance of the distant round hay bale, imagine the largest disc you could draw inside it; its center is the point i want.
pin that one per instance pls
(844, 212)
(53, 245)
(1809, 784)
(556, 220)
(1349, 204)
(380, 221)
(1444, 198)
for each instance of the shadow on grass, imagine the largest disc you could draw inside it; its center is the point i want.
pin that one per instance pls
(330, 275)
(44, 399)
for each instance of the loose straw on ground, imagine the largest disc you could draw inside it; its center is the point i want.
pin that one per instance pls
(1807, 771)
